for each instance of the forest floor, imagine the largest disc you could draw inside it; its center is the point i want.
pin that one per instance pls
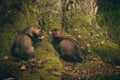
(93, 68)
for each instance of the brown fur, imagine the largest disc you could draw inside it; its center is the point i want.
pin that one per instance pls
(67, 48)
(25, 42)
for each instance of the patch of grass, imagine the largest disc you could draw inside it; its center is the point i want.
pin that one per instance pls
(108, 18)
(109, 52)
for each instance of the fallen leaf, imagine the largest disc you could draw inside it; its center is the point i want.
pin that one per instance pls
(118, 67)
(23, 67)
(6, 58)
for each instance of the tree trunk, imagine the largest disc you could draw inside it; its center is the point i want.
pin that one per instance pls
(76, 17)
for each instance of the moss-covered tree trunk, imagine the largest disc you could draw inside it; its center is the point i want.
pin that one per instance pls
(80, 7)
(49, 13)
(76, 17)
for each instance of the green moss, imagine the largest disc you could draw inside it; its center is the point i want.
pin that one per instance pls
(108, 18)
(11, 20)
(6, 38)
(20, 14)
(52, 69)
(8, 31)
(50, 23)
(109, 52)
(75, 21)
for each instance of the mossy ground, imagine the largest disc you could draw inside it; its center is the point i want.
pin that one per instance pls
(47, 65)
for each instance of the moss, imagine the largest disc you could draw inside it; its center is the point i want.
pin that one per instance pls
(109, 52)
(108, 18)
(91, 39)
(50, 23)
(75, 21)
(52, 69)
(12, 20)
(6, 38)
(8, 31)
(20, 14)
(21, 19)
